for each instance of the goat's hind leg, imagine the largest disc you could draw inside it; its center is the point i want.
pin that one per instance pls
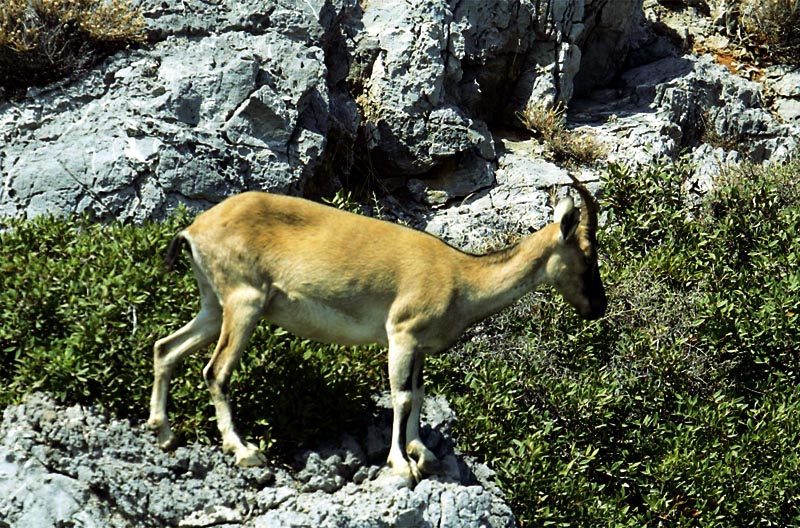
(167, 353)
(242, 311)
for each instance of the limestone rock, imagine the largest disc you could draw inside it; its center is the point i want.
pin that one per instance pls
(74, 466)
(236, 95)
(469, 63)
(679, 103)
(784, 84)
(228, 98)
(521, 203)
(606, 42)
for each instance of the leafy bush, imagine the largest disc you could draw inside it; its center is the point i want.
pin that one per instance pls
(753, 273)
(44, 40)
(772, 29)
(681, 406)
(81, 305)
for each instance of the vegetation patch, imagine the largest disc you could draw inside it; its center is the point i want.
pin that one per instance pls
(81, 305)
(729, 140)
(45, 40)
(681, 406)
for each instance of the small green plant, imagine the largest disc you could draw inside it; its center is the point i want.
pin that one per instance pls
(44, 40)
(772, 29)
(343, 199)
(548, 123)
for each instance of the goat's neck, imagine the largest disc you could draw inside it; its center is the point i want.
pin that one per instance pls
(501, 278)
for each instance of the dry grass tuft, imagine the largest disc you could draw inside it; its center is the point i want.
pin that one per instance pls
(45, 40)
(548, 123)
(772, 29)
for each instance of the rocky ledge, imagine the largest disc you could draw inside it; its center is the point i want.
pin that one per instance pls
(74, 466)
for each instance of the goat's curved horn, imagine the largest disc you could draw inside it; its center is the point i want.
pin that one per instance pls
(588, 206)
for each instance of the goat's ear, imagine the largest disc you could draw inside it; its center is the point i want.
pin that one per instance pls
(569, 224)
(568, 216)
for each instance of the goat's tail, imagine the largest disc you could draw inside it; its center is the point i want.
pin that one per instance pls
(173, 250)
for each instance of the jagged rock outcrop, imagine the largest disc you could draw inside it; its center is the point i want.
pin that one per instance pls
(230, 96)
(715, 108)
(285, 96)
(73, 466)
(680, 102)
(465, 64)
(522, 200)
(666, 103)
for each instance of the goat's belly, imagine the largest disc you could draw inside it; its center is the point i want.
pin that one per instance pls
(326, 323)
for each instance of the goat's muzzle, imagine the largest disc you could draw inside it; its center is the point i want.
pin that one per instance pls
(595, 294)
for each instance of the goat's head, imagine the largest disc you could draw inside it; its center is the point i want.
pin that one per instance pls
(572, 269)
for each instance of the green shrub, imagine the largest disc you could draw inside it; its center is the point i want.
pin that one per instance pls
(44, 40)
(753, 262)
(681, 406)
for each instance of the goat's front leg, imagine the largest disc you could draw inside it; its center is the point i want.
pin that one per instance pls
(401, 373)
(426, 460)
(240, 315)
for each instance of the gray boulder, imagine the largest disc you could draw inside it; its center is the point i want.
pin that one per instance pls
(462, 65)
(522, 202)
(783, 83)
(228, 98)
(678, 103)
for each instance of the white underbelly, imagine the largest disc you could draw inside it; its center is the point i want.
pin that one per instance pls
(314, 320)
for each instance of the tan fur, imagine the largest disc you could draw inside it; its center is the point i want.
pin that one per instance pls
(337, 277)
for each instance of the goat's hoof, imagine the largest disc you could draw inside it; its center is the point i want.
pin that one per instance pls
(169, 444)
(407, 471)
(166, 439)
(250, 456)
(426, 461)
(431, 466)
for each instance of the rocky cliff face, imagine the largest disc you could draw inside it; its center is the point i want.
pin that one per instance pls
(230, 96)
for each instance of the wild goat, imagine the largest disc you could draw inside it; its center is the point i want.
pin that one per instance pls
(337, 277)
